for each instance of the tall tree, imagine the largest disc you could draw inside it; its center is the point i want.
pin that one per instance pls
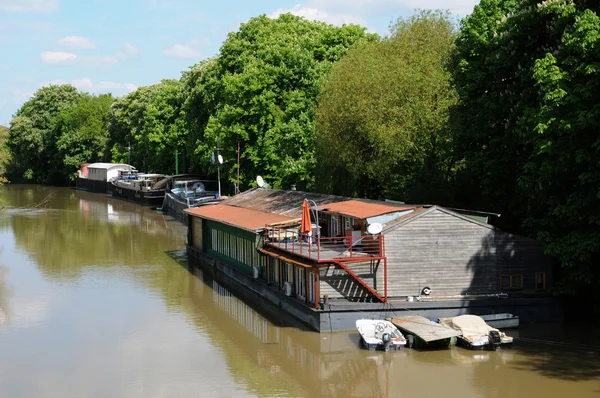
(4, 153)
(151, 122)
(528, 80)
(199, 86)
(83, 132)
(382, 114)
(33, 137)
(265, 84)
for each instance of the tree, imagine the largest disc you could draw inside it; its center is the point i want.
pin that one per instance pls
(82, 132)
(150, 120)
(382, 114)
(33, 138)
(4, 153)
(527, 75)
(261, 92)
(199, 86)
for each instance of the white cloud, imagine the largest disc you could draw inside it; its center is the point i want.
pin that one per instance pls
(57, 57)
(461, 7)
(67, 58)
(319, 14)
(19, 97)
(28, 5)
(182, 51)
(77, 42)
(200, 41)
(112, 86)
(87, 84)
(338, 12)
(130, 49)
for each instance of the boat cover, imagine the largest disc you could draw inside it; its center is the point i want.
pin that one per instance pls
(471, 327)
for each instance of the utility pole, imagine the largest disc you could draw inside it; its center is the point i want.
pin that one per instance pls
(238, 179)
(176, 163)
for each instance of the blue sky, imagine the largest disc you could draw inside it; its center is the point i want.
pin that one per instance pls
(117, 46)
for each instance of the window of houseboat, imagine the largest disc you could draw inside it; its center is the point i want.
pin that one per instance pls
(540, 280)
(513, 282)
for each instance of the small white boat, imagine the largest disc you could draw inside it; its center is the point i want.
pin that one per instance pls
(380, 335)
(475, 333)
(501, 321)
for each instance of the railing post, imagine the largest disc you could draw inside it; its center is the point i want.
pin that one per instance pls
(318, 248)
(316, 288)
(385, 280)
(351, 242)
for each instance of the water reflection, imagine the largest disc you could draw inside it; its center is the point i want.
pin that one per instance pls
(98, 300)
(4, 296)
(91, 230)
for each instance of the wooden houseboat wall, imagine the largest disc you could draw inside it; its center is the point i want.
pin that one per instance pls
(455, 255)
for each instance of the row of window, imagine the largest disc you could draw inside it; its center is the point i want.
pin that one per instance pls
(234, 247)
(297, 275)
(515, 281)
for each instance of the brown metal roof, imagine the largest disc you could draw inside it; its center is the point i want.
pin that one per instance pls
(248, 219)
(286, 203)
(360, 209)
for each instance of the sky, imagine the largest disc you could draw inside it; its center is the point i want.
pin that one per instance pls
(117, 46)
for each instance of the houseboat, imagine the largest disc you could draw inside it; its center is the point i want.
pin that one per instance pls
(188, 193)
(354, 258)
(138, 188)
(96, 177)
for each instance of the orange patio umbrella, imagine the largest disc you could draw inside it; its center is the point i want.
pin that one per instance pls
(305, 226)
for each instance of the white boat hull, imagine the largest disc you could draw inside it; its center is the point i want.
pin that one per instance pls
(380, 335)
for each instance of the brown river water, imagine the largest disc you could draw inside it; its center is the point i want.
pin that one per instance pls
(96, 300)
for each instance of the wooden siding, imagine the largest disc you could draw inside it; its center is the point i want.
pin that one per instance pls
(454, 256)
(518, 255)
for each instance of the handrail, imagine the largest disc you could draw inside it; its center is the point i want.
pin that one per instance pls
(327, 248)
(360, 281)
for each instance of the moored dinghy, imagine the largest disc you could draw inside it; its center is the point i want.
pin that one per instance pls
(475, 333)
(377, 334)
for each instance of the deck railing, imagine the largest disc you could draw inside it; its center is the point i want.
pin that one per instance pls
(323, 249)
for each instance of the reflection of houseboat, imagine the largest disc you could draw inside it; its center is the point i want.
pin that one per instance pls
(189, 193)
(96, 177)
(368, 257)
(138, 187)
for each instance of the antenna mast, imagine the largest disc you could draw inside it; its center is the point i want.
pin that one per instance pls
(238, 179)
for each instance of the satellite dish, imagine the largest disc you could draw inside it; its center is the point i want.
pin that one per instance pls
(375, 228)
(260, 181)
(220, 159)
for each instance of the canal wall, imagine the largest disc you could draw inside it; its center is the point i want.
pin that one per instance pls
(340, 315)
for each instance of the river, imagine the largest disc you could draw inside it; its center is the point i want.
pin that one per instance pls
(96, 300)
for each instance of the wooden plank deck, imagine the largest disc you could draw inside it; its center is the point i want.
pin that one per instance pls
(325, 253)
(423, 328)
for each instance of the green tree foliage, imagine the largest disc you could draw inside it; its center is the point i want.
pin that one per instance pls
(262, 92)
(4, 153)
(383, 112)
(83, 132)
(528, 79)
(33, 135)
(199, 86)
(150, 120)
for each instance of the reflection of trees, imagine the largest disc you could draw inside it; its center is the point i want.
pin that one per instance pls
(4, 293)
(83, 229)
